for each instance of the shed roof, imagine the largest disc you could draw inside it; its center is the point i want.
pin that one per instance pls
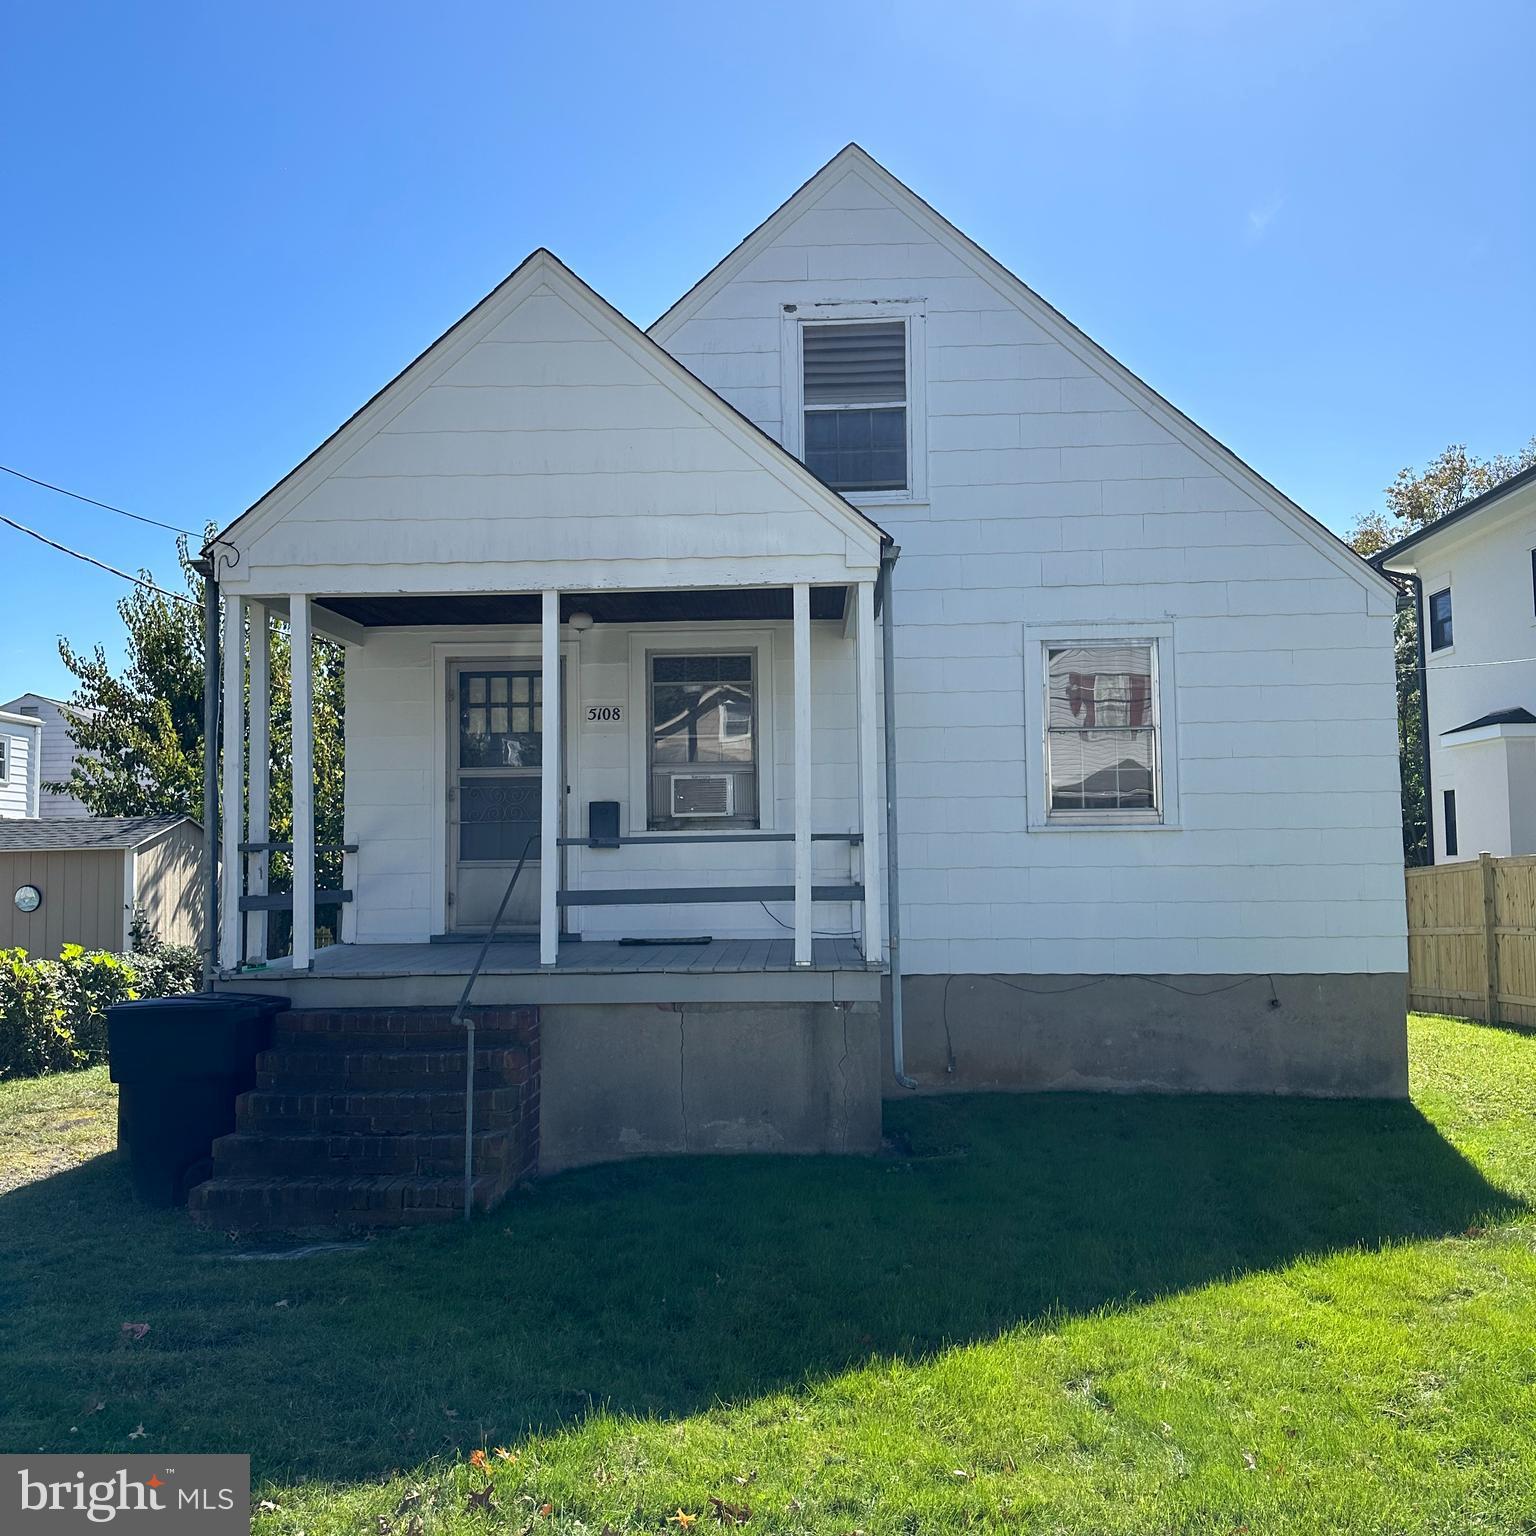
(34, 834)
(1516, 716)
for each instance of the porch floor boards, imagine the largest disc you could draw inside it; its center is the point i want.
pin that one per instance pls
(725, 970)
(594, 956)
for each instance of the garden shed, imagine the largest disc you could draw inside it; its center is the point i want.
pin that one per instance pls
(79, 880)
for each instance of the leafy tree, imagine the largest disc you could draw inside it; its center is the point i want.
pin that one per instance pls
(1414, 500)
(139, 733)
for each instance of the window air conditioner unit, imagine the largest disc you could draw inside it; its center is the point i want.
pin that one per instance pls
(703, 794)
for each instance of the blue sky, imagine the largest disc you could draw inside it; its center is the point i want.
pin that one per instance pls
(1311, 226)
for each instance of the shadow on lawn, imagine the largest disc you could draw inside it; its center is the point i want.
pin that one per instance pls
(665, 1287)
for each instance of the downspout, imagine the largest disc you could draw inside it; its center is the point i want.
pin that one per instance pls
(210, 770)
(888, 558)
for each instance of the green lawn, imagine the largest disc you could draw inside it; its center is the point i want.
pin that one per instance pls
(1049, 1314)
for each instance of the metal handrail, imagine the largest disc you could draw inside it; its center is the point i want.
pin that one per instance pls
(461, 1016)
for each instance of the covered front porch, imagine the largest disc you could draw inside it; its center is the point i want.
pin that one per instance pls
(708, 773)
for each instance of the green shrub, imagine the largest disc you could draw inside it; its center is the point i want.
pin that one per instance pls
(53, 1013)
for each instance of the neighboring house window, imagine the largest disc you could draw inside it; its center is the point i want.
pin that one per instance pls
(1450, 824)
(1533, 580)
(1102, 730)
(5, 760)
(1440, 620)
(702, 731)
(854, 397)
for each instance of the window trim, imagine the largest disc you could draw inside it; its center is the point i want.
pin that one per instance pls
(1039, 641)
(795, 317)
(704, 823)
(683, 640)
(1429, 618)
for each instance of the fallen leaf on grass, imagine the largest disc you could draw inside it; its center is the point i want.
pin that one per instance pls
(280, 1303)
(95, 1406)
(501, 1453)
(386, 1526)
(477, 1459)
(1250, 1461)
(682, 1519)
(137, 1433)
(267, 1507)
(450, 1413)
(743, 1478)
(483, 1499)
(135, 1330)
(409, 1501)
(729, 1514)
(959, 1472)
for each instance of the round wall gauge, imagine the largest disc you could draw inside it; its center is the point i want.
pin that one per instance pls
(28, 898)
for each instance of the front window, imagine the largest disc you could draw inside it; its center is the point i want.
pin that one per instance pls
(855, 401)
(1440, 620)
(703, 742)
(1102, 729)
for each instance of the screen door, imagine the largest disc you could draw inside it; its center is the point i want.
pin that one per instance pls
(495, 790)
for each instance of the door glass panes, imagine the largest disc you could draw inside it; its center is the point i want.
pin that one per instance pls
(501, 720)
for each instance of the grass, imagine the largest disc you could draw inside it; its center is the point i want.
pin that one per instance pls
(48, 1124)
(1049, 1314)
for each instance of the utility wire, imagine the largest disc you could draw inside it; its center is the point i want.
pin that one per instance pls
(104, 505)
(64, 549)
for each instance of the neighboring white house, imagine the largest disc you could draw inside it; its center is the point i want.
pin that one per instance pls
(20, 759)
(1146, 760)
(1474, 576)
(58, 752)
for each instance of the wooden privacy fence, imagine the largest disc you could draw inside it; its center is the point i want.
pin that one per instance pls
(1472, 939)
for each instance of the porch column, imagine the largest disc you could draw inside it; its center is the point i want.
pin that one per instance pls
(802, 773)
(549, 784)
(233, 797)
(303, 782)
(258, 774)
(869, 772)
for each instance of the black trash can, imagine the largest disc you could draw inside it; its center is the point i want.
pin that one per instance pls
(180, 1063)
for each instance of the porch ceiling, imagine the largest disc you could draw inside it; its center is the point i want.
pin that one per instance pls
(705, 605)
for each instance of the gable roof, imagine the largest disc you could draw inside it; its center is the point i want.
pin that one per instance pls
(852, 158)
(1489, 499)
(59, 834)
(543, 267)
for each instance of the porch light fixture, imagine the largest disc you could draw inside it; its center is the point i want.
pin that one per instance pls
(580, 621)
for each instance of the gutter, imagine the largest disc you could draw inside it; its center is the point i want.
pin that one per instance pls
(889, 554)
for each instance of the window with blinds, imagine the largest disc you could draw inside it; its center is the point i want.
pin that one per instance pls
(1101, 728)
(855, 402)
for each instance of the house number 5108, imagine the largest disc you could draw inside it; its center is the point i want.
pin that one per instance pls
(605, 714)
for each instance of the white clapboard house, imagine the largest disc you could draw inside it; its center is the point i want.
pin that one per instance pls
(1473, 578)
(624, 604)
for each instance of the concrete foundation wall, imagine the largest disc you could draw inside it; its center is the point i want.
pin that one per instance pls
(646, 1080)
(1331, 1036)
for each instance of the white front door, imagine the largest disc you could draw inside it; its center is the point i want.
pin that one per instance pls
(495, 789)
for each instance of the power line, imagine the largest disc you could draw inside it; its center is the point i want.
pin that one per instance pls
(106, 506)
(64, 549)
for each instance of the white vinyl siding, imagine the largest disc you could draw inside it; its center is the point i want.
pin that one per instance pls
(1060, 507)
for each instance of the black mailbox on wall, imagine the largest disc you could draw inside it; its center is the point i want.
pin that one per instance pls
(602, 823)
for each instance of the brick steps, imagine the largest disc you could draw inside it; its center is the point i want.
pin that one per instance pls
(357, 1120)
(375, 1111)
(403, 1028)
(330, 1068)
(243, 1155)
(355, 1200)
